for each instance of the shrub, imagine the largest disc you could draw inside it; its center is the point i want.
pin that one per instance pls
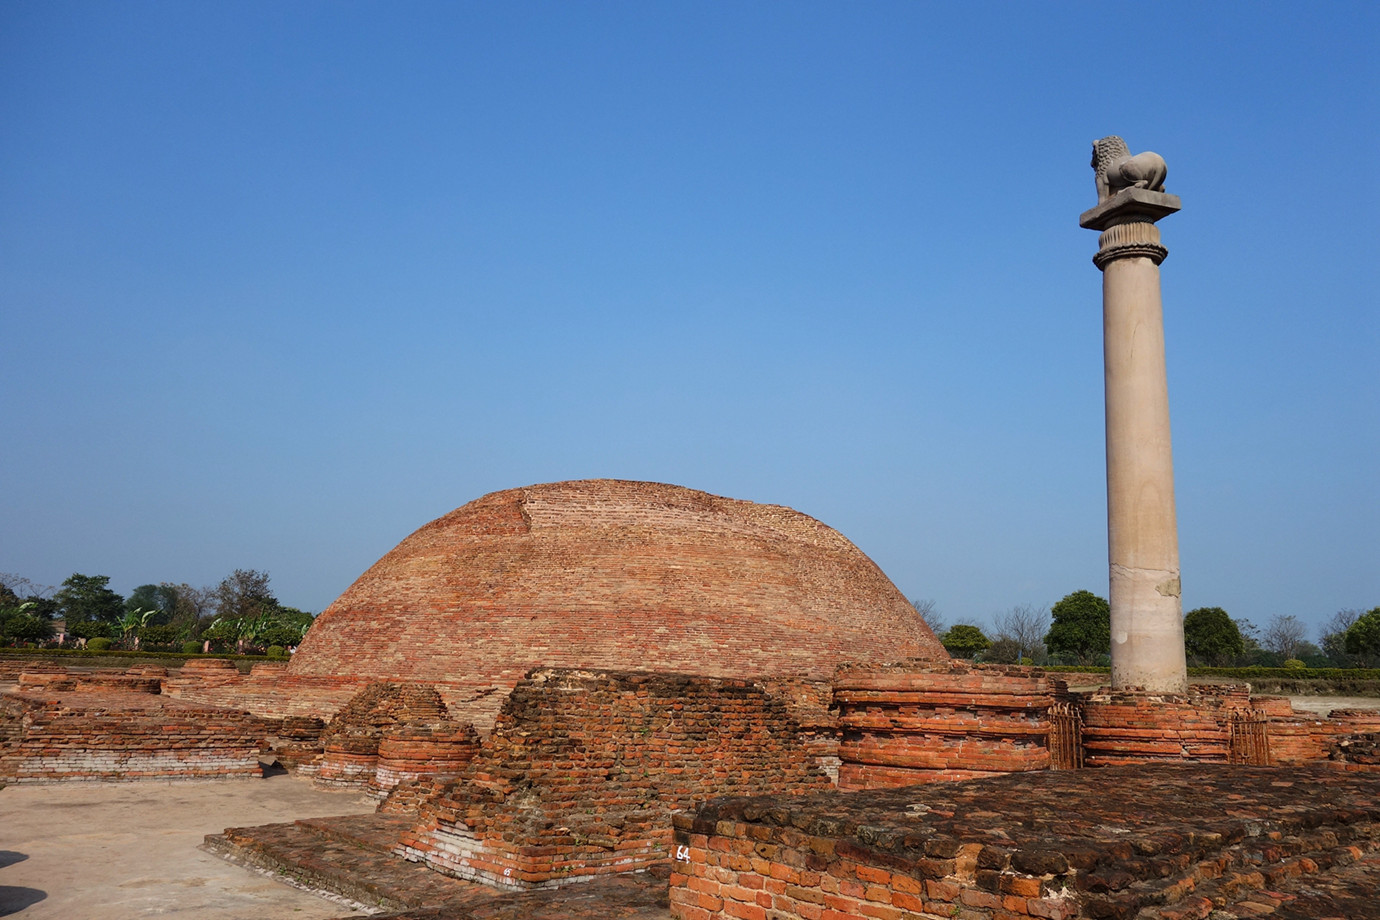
(277, 651)
(98, 644)
(158, 635)
(1295, 664)
(191, 647)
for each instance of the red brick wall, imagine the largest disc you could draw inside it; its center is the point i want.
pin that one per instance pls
(121, 737)
(354, 738)
(611, 574)
(584, 769)
(1304, 737)
(919, 722)
(1122, 842)
(409, 753)
(1137, 727)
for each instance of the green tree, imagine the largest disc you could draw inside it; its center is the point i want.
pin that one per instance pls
(964, 640)
(287, 626)
(44, 607)
(1363, 638)
(1082, 627)
(1334, 639)
(1211, 636)
(244, 593)
(89, 605)
(19, 623)
(1003, 650)
(189, 606)
(161, 600)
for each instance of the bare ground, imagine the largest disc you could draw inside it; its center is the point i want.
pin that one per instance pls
(118, 851)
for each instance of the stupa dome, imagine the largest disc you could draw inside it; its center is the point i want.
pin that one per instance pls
(614, 574)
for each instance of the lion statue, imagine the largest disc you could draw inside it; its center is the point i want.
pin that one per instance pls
(1117, 169)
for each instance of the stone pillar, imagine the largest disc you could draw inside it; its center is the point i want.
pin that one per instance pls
(1142, 534)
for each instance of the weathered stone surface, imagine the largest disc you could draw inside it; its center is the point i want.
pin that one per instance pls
(1142, 529)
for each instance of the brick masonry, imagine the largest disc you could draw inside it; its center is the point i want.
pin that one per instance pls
(390, 733)
(55, 736)
(612, 574)
(918, 722)
(1133, 727)
(1173, 843)
(584, 769)
(915, 722)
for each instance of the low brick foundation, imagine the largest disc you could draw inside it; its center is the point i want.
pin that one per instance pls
(584, 769)
(122, 736)
(1138, 727)
(1120, 842)
(1305, 737)
(414, 752)
(351, 740)
(920, 722)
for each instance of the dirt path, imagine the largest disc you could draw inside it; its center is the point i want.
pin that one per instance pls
(118, 851)
(1325, 704)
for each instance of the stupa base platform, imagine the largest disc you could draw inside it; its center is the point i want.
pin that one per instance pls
(351, 860)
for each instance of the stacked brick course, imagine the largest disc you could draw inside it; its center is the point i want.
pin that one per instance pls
(612, 574)
(267, 693)
(1120, 842)
(351, 739)
(584, 769)
(295, 742)
(412, 752)
(122, 736)
(918, 722)
(1137, 727)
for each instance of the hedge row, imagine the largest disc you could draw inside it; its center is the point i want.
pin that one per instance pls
(121, 658)
(1350, 674)
(1347, 674)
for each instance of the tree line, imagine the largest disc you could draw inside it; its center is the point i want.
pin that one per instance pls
(1077, 631)
(239, 614)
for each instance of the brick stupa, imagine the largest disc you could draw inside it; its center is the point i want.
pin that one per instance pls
(613, 574)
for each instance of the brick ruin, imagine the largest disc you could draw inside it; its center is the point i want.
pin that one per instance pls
(74, 729)
(480, 709)
(588, 773)
(1118, 842)
(584, 769)
(917, 722)
(609, 574)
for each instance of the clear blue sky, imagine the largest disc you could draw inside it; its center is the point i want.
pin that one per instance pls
(281, 282)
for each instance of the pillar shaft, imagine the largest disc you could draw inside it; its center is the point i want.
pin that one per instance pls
(1142, 532)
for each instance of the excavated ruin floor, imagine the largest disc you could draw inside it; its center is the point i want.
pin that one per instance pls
(116, 851)
(1126, 822)
(119, 851)
(1162, 841)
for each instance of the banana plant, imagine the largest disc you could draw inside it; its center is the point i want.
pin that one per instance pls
(133, 621)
